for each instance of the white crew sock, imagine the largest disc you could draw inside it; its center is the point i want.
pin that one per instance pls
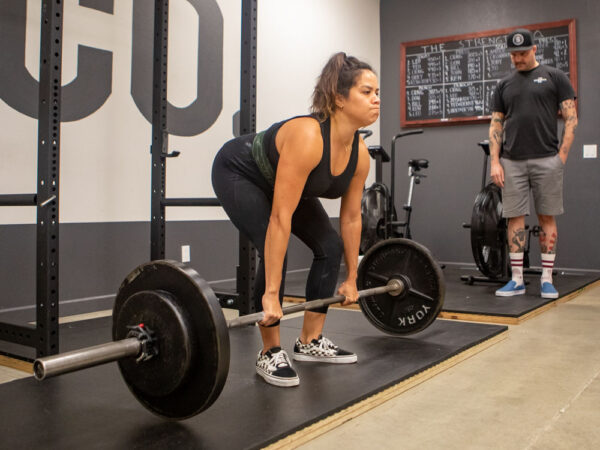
(547, 266)
(516, 266)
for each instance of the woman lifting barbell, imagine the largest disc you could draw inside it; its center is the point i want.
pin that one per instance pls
(269, 184)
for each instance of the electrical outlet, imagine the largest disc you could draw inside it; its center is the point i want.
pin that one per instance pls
(185, 253)
(590, 151)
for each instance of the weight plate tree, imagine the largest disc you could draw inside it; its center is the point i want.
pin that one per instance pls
(375, 213)
(374, 208)
(488, 232)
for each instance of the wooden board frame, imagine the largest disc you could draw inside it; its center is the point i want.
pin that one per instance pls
(479, 119)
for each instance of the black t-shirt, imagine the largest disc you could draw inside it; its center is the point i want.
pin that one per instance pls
(530, 102)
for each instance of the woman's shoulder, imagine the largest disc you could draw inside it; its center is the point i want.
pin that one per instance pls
(309, 124)
(305, 128)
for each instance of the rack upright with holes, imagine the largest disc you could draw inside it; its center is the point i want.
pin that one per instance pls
(43, 337)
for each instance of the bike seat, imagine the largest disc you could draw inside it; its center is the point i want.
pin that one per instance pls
(485, 145)
(375, 150)
(418, 164)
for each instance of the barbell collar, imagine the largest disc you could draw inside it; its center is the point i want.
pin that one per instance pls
(394, 287)
(50, 366)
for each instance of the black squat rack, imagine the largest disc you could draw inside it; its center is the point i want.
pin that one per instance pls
(44, 335)
(246, 268)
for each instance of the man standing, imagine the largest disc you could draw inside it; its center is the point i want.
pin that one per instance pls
(524, 108)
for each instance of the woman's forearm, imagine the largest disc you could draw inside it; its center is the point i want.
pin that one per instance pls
(350, 232)
(276, 242)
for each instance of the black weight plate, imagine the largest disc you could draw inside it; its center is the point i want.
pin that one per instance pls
(413, 264)
(488, 233)
(159, 312)
(374, 207)
(209, 337)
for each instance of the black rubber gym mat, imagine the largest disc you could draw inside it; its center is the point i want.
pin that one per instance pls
(480, 298)
(94, 409)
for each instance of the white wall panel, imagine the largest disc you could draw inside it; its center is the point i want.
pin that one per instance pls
(105, 157)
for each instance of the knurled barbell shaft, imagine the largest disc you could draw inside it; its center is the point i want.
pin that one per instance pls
(50, 366)
(394, 285)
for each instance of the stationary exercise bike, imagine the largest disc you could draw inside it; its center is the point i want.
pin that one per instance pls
(379, 218)
(489, 233)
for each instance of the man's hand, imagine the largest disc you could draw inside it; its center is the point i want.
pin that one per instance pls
(563, 157)
(497, 174)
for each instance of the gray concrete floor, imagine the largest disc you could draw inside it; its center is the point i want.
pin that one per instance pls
(537, 389)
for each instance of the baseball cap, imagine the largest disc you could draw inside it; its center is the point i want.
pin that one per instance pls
(519, 40)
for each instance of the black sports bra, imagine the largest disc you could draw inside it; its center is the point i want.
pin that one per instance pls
(320, 182)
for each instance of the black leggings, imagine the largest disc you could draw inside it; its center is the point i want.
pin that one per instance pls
(246, 198)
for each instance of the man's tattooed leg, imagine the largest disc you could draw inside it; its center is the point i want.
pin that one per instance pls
(548, 242)
(517, 240)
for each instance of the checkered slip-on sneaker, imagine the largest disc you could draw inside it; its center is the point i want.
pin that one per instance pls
(275, 367)
(322, 350)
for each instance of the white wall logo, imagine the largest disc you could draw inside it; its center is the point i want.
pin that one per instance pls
(518, 39)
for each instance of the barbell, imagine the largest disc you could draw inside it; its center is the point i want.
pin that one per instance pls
(171, 339)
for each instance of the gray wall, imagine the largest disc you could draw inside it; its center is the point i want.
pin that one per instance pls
(443, 201)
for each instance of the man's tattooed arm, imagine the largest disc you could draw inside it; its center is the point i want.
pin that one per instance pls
(569, 114)
(495, 135)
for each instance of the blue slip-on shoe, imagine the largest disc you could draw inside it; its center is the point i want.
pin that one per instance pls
(548, 290)
(511, 289)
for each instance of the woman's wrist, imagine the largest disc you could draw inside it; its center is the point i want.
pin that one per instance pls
(351, 277)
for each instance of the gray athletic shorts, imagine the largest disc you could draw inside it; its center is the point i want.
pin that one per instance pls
(544, 176)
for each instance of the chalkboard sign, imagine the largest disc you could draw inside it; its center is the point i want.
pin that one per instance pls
(450, 80)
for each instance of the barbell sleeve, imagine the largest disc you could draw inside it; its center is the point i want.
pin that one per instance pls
(50, 366)
(393, 285)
